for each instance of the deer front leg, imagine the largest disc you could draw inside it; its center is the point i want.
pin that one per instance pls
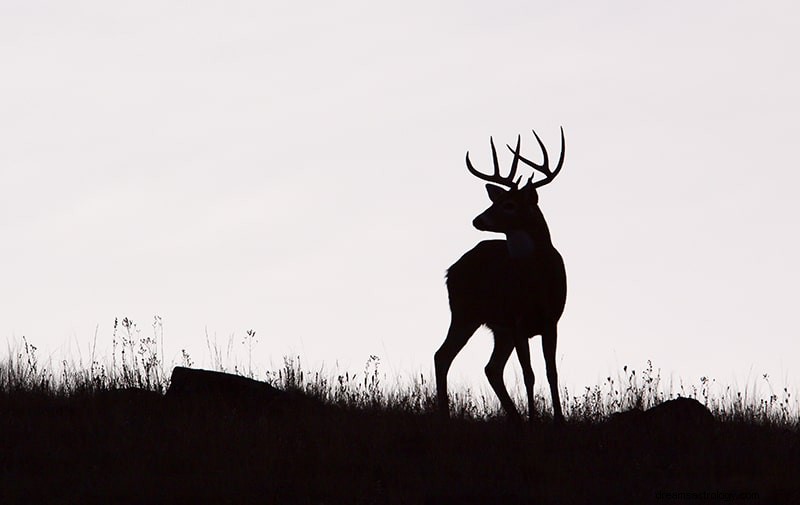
(457, 337)
(524, 355)
(549, 338)
(503, 345)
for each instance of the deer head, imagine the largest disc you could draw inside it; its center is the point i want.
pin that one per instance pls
(516, 208)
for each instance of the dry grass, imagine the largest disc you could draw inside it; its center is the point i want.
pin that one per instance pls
(66, 438)
(136, 362)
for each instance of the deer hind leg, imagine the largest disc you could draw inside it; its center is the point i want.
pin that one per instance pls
(503, 345)
(460, 331)
(524, 355)
(549, 338)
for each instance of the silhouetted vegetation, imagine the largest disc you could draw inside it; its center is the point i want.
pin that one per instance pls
(106, 433)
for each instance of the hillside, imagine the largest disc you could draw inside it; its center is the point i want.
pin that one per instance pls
(138, 446)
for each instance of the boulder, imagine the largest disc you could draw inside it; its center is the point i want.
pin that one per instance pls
(678, 415)
(220, 389)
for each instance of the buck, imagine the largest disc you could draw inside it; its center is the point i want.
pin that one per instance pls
(517, 287)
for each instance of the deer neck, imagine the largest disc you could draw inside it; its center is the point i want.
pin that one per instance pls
(527, 242)
(520, 243)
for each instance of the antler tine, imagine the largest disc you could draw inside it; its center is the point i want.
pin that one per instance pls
(516, 160)
(552, 175)
(496, 178)
(545, 159)
(561, 157)
(545, 166)
(494, 158)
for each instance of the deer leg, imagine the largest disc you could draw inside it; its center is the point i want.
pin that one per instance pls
(503, 345)
(457, 337)
(524, 355)
(549, 338)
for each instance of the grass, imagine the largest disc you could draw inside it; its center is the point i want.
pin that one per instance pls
(136, 362)
(66, 438)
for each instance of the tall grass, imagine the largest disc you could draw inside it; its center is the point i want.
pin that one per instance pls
(136, 362)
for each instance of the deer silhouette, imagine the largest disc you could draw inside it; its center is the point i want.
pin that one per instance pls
(517, 287)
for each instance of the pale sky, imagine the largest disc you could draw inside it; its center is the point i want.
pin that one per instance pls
(297, 168)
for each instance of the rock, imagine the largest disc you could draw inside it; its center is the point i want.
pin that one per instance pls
(679, 414)
(220, 389)
(673, 434)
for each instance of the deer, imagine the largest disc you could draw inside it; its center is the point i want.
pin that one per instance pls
(516, 287)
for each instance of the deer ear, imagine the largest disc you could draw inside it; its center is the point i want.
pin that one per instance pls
(496, 193)
(530, 194)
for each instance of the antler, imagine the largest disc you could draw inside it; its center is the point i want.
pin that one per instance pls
(496, 178)
(545, 166)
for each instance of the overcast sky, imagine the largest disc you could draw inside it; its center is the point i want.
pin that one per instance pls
(297, 168)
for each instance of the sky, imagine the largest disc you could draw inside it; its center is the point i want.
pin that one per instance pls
(297, 168)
